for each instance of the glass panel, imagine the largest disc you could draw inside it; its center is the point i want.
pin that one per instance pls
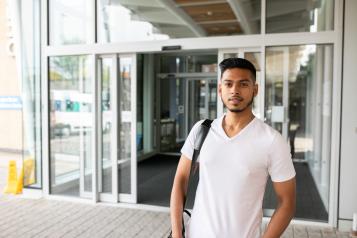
(230, 55)
(274, 88)
(106, 108)
(299, 16)
(202, 100)
(71, 124)
(124, 161)
(124, 20)
(305, 73)
(212, 99)
(172, 120)
(206, 63)
(145, 82)
(70, 22)
(197, 108)
(31, 92)
(254, 58)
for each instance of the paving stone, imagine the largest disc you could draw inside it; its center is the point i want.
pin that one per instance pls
(40, 218)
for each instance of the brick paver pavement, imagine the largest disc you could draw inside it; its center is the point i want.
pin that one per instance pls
(20, 217)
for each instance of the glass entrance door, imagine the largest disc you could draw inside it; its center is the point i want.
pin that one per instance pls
(116, 158)
(107, 126)
(185, 100)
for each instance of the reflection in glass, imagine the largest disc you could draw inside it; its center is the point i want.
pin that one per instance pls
(254, 58)
(299, 16)
(205, 63)
(298, 95)
(145, 129)
(230, 55)
(171, 112)
(31, 96)
(124, 161)
(202, 100)
(106, 108)
(71, 125)
(160, 20)
(185, 98)
(70, 22)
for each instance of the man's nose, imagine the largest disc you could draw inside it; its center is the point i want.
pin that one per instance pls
(235, 89)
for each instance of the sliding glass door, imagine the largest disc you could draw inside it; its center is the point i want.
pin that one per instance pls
(93, 127)
(116, 156)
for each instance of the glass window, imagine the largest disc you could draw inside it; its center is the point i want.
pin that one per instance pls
(70, 22)
(159, 20)
(298, 96)
(199, 63)
(299, 16)
(31, 96)
(71, 125)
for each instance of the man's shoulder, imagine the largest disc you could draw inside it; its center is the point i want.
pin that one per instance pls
(265, 130)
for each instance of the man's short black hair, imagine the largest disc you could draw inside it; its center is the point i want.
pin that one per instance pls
(231, 63)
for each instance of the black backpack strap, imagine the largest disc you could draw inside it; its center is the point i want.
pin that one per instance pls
(205, 127)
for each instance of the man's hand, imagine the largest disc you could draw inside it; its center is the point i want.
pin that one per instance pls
(286, 194)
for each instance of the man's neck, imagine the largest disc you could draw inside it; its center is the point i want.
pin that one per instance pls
(234, 121)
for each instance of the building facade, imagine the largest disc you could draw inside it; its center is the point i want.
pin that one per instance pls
(112, 84)
(10, 90)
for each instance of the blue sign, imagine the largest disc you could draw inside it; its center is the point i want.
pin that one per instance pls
(10, 103)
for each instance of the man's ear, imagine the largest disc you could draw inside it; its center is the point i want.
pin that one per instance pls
(255, 89)
(220, 88)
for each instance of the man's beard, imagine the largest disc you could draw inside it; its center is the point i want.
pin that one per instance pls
(239, 110)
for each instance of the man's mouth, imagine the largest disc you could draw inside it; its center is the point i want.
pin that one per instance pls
(235, 100)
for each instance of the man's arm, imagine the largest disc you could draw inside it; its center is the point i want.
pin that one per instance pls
(179, 189)
(285, 211)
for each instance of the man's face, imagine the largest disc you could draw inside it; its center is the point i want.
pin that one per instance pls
(237, 89)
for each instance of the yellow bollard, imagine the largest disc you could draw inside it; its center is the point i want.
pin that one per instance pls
(11, 186)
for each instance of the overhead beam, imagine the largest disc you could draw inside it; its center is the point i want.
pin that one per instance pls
(182, 16)
(158, 17)
(242, 11)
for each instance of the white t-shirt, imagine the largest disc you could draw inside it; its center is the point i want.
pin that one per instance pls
(233, 175)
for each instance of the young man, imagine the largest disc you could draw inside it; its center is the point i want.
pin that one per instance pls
(238, 155)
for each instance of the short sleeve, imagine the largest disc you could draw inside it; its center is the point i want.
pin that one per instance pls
(188, 148)
(280, 165)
